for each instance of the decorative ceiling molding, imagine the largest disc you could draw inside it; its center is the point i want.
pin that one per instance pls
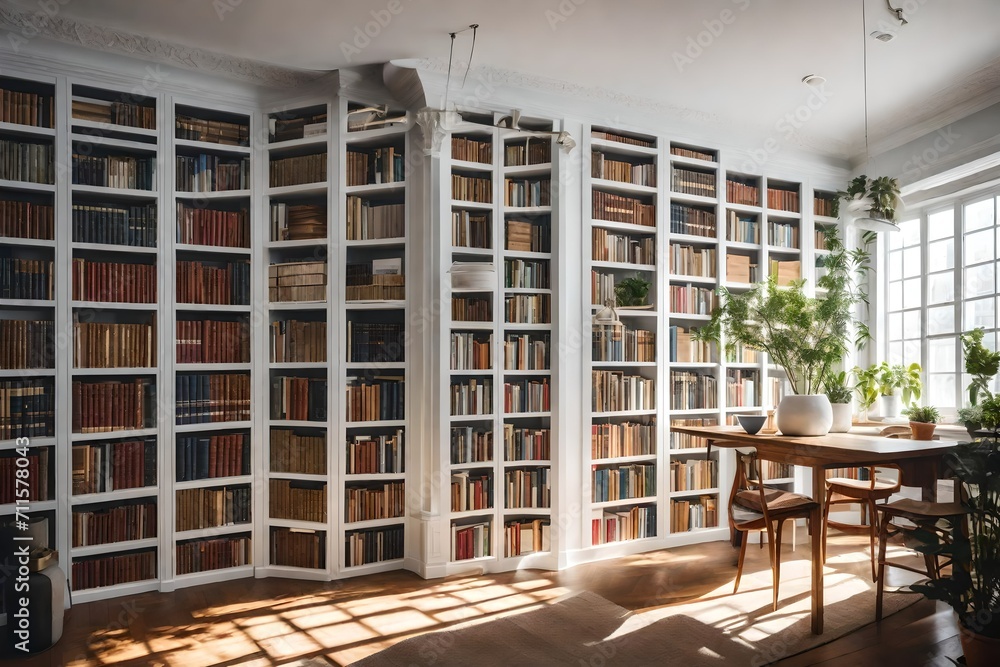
(28, 26)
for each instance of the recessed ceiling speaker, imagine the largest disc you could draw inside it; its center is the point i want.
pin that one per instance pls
(882, 36)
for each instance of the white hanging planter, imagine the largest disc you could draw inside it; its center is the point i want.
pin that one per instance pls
(478, 276)
(805, 414)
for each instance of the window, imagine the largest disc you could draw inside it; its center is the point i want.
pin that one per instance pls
(943, 278)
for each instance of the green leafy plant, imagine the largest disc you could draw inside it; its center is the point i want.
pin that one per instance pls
(905, 378)
(632, 291)
(867, 387)
(926, 414)
(981, 363)
(880, 193)
(972, 587)
(837, 388)
(989, 412)
(807, 336)
(971, 415)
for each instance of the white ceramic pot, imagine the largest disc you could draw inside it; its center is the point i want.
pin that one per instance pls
(889, 406)
(805, 415)
(841, 417)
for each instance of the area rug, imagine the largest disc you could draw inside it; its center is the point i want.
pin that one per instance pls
(717, 629)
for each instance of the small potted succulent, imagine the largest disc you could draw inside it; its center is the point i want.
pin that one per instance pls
(632, 292)
(922, 421)
(839, 393)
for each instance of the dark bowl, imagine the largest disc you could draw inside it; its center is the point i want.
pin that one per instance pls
(751, 423)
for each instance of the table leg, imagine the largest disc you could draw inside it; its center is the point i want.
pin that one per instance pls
(816, 521)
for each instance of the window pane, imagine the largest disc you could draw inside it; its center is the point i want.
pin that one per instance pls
(941, 225)
(911, 293)
(979, 281)
(979, 313)
(941, 355)
(895, 241)
(940, 320)
(895, 353)
(896, 296)
(895, 265)
(941, 391)
(911, 324)
(979, 247)
(911, 232)
(941, 287)
(941, 255)
(911, 262)
(911, 351)
(979, 215)
(895, 326)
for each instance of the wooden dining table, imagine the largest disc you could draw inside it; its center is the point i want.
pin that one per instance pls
(920, 462)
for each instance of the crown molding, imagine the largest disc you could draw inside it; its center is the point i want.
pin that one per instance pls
(23, 27)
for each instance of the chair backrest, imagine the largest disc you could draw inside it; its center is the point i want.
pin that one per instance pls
(748, 478)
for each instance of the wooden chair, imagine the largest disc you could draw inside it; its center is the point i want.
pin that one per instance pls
(753, 507)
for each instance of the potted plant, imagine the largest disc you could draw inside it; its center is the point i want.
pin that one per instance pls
(878, 197)
(922, 421)
(839, 392)
(867, 388)
(982, 364)
(897, 377)
(632, 292)
(807, 336)
(972, 587)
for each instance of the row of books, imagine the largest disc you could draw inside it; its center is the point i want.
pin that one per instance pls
(527, 192)
(113, 345)
(607, 135)
(691, 300)
(299, 398)
(471, 309)
(380, 399)
(471, 351)
(207, 457)
(526, 396)
(114, 171)
(693, 474)
(824, 206)
(528, 236)
(26, 108)
(374, 165)
(297, 500)
(373, 545)
(785, 271)
(528, 309)
(610, 441)
(112, 466)
(471, 490)
(111, 524)
(115, 112)
(738, 192)
(619, 208)
(101, 571)
(638, 173)
(527, 488)
(693, 391)
(298, 222)
(623, 482)
(376, 342)
(113, 405)
(115, 224)
(211, 173)
(297, 452)
(686, 260)
(690, 182)
(741, 388)
(368, 220)
(213, 342)
(526, 274)
(230, 133)
(534, 150)
(622, 343)
(635, 523)
(27, 408)
(685, 349)
(297, 170)
(471, 444)
(742, 227)
(783, 200)
(198, 509)
(740, 354)
(226, 283)
(472, 397)
(686, 441)
(470, 229)
(783, 234)
(38, 471)
(297, 548)
(471, 541)
(820, 238)
(27, 161)
(526, 352)
(297, 341)
(526, 536)
(692, 153)
(688, 515)
(526, 444)
(382, 287)
(690, 220)
(472, 188)
(213, 227)
(297, 281)
(367, 272)
(376, 454)
(614, 391)
(215, 554)
(741, 268)
(469, 149)
(26, 220)
(371, 503)
(113, 282)
(27, 344)
(778, 470)
(216, 397)
(624, 248)
(286, 129)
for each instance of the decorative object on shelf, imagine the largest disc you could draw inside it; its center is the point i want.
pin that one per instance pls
(632, 292)
(982, 364)
(922, 421)
(839, 392)
(751, 423)
(473, 276)
(808, 336)
(972, 586)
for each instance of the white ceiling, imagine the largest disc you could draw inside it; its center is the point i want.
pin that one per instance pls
(945, 62)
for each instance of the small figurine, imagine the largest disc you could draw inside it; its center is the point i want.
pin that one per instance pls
(769, 426)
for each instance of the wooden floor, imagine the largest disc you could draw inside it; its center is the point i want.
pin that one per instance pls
(259, 622)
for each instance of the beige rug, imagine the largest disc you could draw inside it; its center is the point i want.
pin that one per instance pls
(719, 628)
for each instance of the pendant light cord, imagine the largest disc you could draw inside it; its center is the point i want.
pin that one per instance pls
(864, 65)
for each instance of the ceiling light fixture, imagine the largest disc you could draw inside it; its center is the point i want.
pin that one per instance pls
(814, 80)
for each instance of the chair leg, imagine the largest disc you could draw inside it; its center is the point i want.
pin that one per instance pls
(872, 534)
(777, 565)
(739, 564)
(880, 578)
(826, 520)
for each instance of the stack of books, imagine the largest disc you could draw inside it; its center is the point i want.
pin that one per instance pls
(297, 281)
